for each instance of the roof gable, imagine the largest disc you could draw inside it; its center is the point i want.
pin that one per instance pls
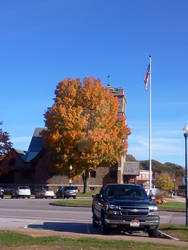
(36, 145)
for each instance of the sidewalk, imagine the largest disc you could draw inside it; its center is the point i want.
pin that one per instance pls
(177, 198)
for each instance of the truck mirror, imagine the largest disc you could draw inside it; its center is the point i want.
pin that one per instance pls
(99, 196)
(151, 197)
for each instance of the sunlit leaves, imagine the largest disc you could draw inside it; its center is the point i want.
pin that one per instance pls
(83, 129)
(164, 182)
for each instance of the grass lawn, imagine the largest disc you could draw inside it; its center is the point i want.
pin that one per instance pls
(177, 231)
(76, 203)
(173, 206)
(88, 194)
(12, 239)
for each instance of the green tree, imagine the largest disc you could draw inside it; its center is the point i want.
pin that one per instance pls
(5, 144)
(83, 129)
(164, 182)
(5, 148)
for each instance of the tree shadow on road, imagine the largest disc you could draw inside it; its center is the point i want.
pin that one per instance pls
(79, 228)
(83, 228)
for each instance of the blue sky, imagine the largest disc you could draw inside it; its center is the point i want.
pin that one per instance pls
(44, 41)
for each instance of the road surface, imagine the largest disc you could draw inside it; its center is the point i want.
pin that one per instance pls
(39, 214)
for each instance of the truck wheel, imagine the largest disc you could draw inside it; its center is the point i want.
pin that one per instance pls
(94, 221)
(153, 233)
(103, 227)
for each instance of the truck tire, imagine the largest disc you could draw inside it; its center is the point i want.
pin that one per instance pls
(153, 233)
(103, 226)
(94, 221)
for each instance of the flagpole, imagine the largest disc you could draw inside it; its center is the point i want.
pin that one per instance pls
(150, 134)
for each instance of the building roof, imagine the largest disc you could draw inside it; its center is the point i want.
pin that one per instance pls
(21, 153)
(35, 146)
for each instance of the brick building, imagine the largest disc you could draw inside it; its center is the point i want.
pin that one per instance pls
(119, 92)
(32, 167)
(143, 178)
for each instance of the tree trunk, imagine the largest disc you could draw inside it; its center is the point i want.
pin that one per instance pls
(85, 176)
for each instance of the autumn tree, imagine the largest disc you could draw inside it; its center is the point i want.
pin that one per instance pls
(164, 181)
(5, 148)
(5, 144)
(83, 129)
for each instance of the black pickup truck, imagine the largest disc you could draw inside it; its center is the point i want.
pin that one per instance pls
(125, 207)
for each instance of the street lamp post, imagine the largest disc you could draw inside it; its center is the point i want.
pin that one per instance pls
(185, 132)
(70, 175)
(174, 186)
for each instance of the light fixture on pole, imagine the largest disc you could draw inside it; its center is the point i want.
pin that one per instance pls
(70, 175)
(185, 132)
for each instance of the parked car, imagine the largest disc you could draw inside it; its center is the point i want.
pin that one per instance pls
(181, 193)
(125, 207)
(9, 190)
(1, 192)
(21, 191)
(67, 192)
(44, 193)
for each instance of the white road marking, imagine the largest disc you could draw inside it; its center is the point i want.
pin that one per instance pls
(44, 219)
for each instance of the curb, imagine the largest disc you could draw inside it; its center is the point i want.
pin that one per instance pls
(167, 236)
(62, 205)
(164, 210)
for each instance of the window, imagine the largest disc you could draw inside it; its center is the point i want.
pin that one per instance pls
(129, 192)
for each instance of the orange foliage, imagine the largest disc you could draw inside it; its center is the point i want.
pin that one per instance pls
(83, 129)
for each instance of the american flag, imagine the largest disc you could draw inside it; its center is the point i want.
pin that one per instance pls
(146, 77)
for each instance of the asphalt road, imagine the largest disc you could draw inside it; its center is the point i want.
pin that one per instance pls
(39, 214)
